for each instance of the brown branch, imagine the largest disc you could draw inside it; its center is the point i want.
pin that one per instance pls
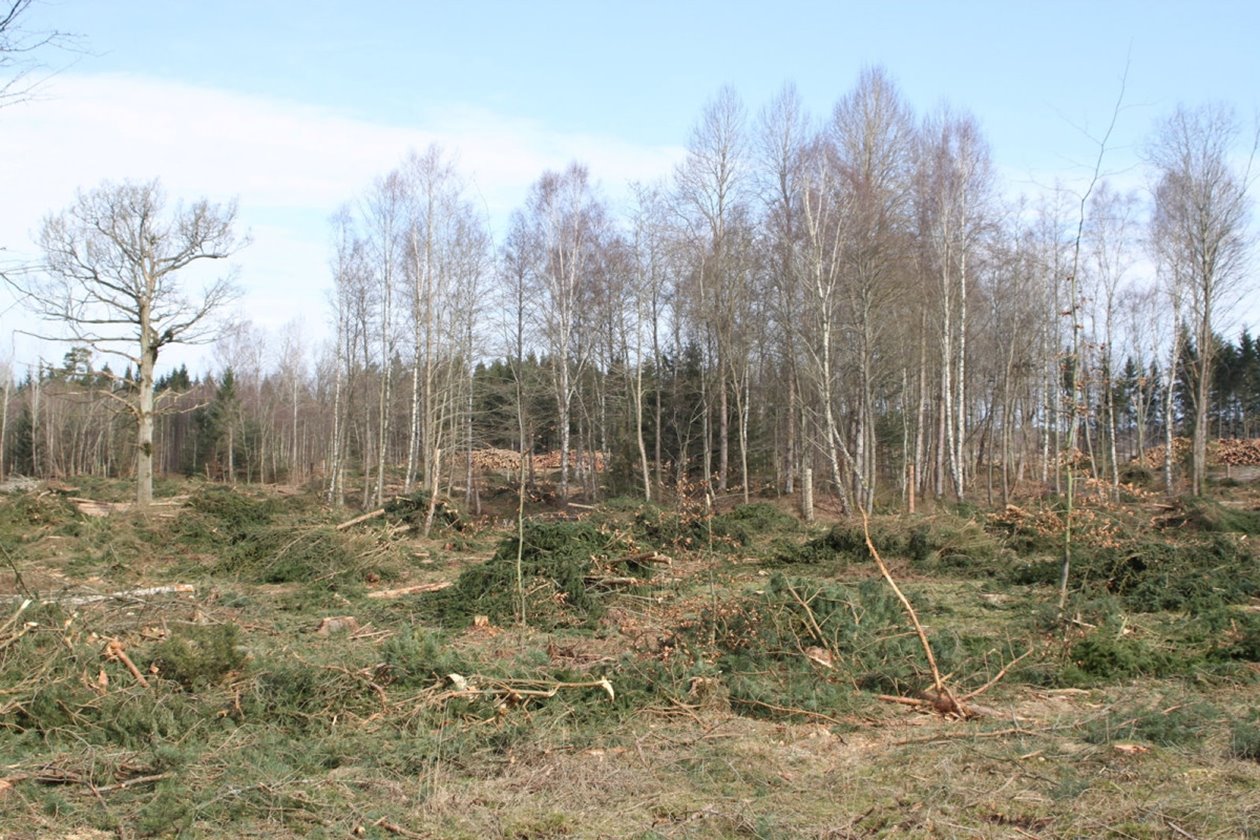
(997, 678)
(809, 615)
(945, 701)
(787, 710)
(410, 590)
(364, 518)
(392, 828)
(114, 651)
(138, 780)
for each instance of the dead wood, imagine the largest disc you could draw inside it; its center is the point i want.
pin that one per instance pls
(363, 518)
(114, 651)
(944, 701)
(940, 699)
(514, 691)
(410, 590)
(392, 828)
(138, 780)
(997, 678)
(650, 557)
(123, 595)
(612, 581)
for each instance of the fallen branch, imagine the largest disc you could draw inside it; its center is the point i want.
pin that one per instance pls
(138, 780)
(997, 678)
(650, 557)
(787, 710)
(114, 651)
(122, 595)
(410, 590)
(21, 631)
(809, 615)
(612, 581)
(941, 700)
(944, 702)
(364, 518)
(967, 733)
(519, 689)
(386, 825)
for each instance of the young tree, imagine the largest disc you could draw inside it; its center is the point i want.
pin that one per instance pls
(112, 277)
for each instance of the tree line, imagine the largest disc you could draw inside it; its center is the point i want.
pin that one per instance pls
(844, 306)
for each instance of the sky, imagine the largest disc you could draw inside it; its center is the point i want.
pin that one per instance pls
(292, 107)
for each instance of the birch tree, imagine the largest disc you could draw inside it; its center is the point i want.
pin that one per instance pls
(561, 231)
(384, 221)
(1200, 227)
(872, 140)
(1109, 234)
(711, 185)
(954, 183)
(784, 132)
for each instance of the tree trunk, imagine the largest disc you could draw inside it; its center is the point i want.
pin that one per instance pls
(807, 493)
(144, 412)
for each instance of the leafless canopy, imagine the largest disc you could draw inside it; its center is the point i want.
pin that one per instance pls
(20, 47)
(111, 265)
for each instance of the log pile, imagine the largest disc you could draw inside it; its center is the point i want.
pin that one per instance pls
(1154, 459)
(509, 461)
(1238, 452)
(496, 460)
(1233, 452)
(551, 460)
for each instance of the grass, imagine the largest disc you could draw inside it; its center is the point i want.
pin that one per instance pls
(733, 692)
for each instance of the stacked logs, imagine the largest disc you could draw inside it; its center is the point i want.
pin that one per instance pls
(1233, 452)
(509, 461)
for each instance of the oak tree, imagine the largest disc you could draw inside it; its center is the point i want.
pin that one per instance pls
(113, 277)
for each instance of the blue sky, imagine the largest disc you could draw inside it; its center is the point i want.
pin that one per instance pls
(294, 107)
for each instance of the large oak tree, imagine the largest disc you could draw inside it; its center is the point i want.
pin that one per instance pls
(113, 278)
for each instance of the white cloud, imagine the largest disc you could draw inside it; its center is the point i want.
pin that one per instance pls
(289, 165)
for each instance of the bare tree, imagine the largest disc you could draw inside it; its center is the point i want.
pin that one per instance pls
(446, 247)
(352, 304)
(20, 47)
(559, 236)
(783, 133)
(1109, 233)
(711, 190)
(871, 138)
(956, 185)
(383, 211)
(112, 278)
(1200, 228)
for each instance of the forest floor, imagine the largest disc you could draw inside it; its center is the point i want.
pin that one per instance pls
(234, 664)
